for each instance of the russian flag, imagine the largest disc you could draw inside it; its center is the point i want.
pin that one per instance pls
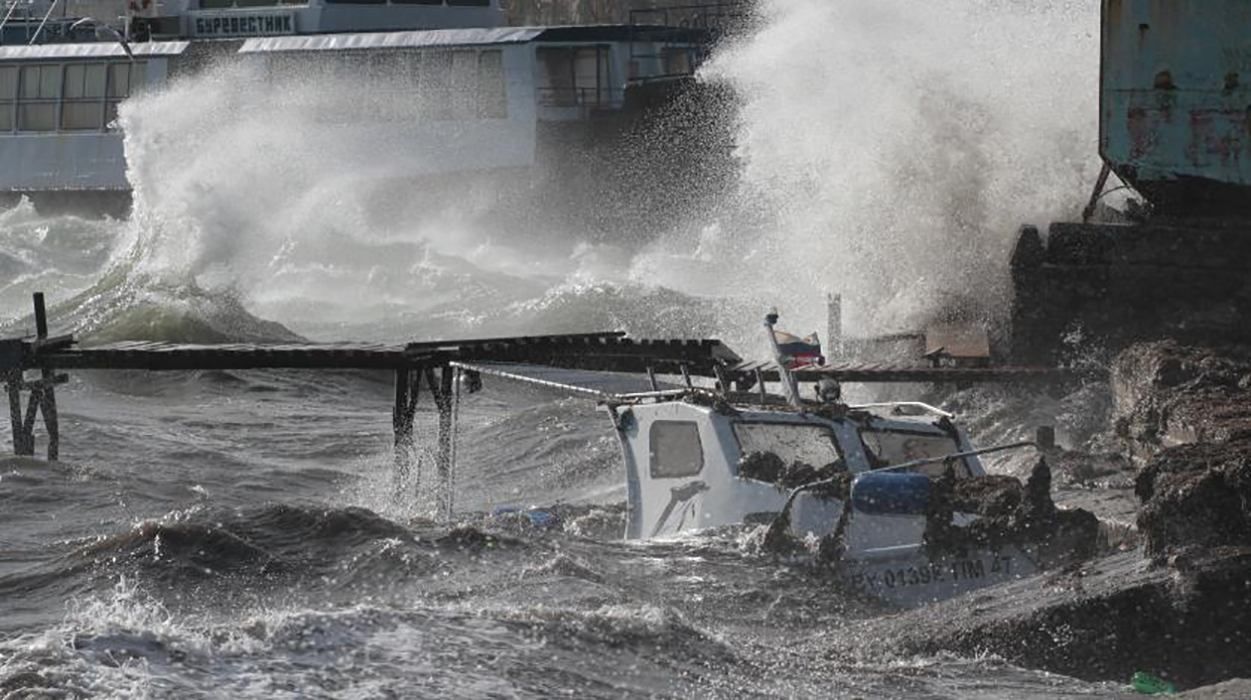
(799, 352)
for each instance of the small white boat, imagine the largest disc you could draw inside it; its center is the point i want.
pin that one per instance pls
(699, 461)
(880, 492)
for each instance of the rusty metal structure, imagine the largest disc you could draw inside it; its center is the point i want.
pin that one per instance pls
(1175, 96)
(1175, 125)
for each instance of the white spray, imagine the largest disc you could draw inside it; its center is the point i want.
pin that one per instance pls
(890, 150)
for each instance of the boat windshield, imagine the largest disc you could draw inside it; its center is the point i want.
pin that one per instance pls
(793, 442)
(890, 447)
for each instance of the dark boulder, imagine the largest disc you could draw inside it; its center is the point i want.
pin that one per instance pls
(1188, 622)
(1196, 496)
(1166, 394)
(1010, 513)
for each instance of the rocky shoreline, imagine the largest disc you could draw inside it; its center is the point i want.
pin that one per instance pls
(1177, 604)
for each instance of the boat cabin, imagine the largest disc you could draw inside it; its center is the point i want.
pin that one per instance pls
(696, 464)
(685, 462)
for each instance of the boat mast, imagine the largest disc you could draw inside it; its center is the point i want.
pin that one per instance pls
(789, 386)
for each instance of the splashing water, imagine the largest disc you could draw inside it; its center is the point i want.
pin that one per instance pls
(891, 149)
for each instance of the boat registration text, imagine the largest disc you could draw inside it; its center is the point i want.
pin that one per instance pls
(950, 571)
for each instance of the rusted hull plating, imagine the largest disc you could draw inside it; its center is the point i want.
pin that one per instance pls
(1175, 94)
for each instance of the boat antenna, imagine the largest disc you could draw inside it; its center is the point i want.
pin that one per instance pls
(789, 385)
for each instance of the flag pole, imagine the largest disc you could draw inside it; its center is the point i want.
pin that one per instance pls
(789, 386)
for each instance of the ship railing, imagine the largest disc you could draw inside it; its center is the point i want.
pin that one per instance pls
(584, 97)
(714, 17)
(906, 408)
(44, 22)
(12, 6)
(35, 18)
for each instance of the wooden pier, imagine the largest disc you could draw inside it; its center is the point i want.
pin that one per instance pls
(31, 365)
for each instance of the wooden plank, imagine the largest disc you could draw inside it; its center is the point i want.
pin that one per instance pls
(958, 341)
(880, 373)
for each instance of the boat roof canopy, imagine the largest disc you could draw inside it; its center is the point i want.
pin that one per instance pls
(90, 50)
(476, 36)
(392, 40)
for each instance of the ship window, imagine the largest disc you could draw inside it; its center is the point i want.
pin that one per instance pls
(78, 116)
(469, 3)
(119, 80)
(8, 82)
(85, 80)
(675, 449)
(813, 445)
(125, 79)
(41, 82)
(84, 86)
(436, 80)
(575, 76)
(8, 93)
(39, 92)
(36, 117)
(464, 83)
(590, 66)
(677, 61)
(558, 65)
(892, 447)
(492, 98)
(418, 2)
(412, 69)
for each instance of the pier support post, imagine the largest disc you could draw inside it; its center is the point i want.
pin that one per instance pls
(47, 390)
(16, 355)
(402, 427)
(407, 389)
(42, 400)
(443, 457)
(22, 442)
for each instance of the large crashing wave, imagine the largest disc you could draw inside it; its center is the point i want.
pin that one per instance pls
(890, 150)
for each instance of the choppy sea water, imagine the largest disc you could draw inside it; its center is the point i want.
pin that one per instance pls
(211, 534)
(214, 534)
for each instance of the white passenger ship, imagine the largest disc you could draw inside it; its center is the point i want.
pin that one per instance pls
(62, 78)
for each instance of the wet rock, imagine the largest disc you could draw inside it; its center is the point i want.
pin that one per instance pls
(1010, 513)
(1167, 394)
(1086, 469)
(1183, 611)
(1196, 496)
(1236, 689)
(992, 495)
(1102, 620)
